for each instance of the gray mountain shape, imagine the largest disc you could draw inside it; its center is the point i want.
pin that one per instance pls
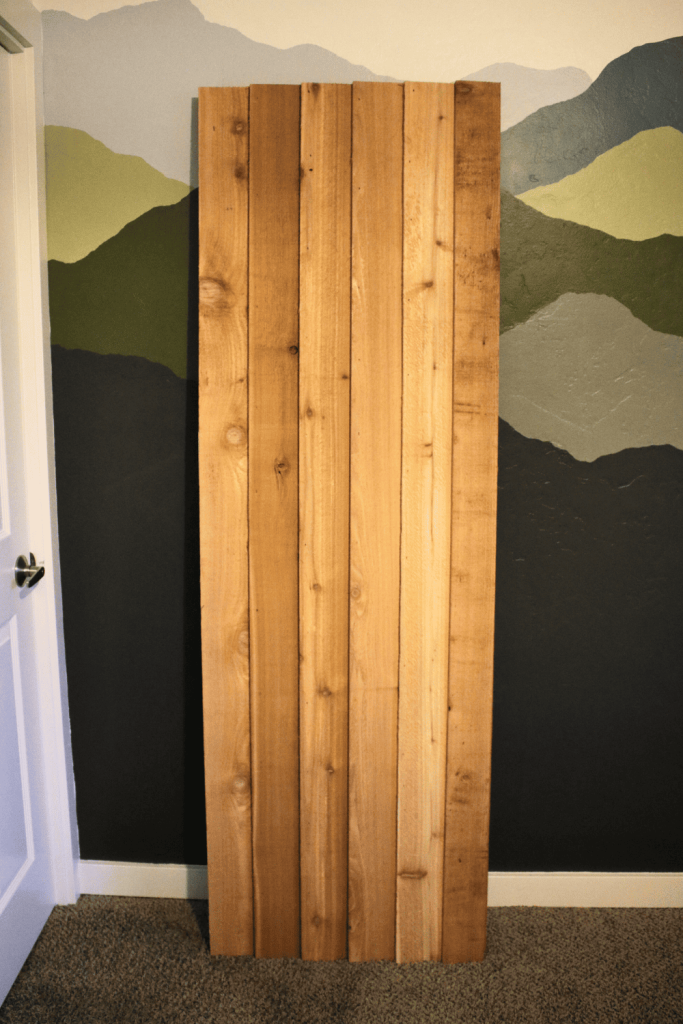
(526, 90)
(588, 376)
(130, 77)
(642, 89)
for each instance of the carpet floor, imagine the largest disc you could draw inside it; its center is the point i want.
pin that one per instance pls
(119, 960)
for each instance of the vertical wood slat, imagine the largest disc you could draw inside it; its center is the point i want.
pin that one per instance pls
(324, 393)
(425, 508)
(374, 516)
(273, 513)
(475, 448)
(223, 233)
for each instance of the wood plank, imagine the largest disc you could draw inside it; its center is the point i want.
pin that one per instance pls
(425, 515)
(324, 372)
(273, 513)
(375, 516)
(223, 233)
(473, 543)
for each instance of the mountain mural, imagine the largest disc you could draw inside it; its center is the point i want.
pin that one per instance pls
(640, 90)
(525, 90)
(92, 193)
(131, 76)
(633, 191)
(587, 771)
(542, 258)
(588, 376)
(137, 294)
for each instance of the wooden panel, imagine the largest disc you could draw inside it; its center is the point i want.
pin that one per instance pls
(475, 447)
(362, 509)
(426, 519)
(223, 210)
(324, 370)
(273, 512)
(375, 516)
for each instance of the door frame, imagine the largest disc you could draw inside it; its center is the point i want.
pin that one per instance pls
(23, 23)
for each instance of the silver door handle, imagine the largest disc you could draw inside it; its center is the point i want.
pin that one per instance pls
(27, 573)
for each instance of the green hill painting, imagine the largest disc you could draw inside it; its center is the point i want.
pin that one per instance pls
(92, 192)
(633, 191)
(136, 294)
(542, 258)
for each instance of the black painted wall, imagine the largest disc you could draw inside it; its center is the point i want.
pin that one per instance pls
(587, 758)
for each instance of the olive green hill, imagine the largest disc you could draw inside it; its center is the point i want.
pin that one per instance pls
(543, 258)
(633, 191)
(136, 294)
(93, 192)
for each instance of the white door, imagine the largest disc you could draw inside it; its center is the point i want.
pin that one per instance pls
(29, 882)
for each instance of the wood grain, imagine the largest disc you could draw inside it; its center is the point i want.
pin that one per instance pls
(426, 515)
(473, 546)
(324, 371)
(273, 513)
(375, 516)
(223, 233)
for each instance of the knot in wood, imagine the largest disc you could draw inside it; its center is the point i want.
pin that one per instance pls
(282, 468)
(240, 784)
(235, 435)
(214, 295)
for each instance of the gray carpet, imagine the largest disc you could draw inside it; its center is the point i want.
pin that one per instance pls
(112, 959)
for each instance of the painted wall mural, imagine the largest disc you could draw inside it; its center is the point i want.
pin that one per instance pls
(588, 769)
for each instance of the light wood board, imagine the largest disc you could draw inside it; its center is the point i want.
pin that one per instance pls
(375, 516)
(324, 385)
(426, 515)
(473, 543)
(274, 512)
(223, 261)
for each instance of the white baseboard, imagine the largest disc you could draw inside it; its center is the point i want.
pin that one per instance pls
(122, 878)
(585, 889)
(506, 888)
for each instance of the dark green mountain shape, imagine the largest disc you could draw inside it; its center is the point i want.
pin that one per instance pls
(543, 258)
(136, 294)
(641, 89)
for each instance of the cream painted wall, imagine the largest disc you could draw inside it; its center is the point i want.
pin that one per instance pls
(440, 40)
